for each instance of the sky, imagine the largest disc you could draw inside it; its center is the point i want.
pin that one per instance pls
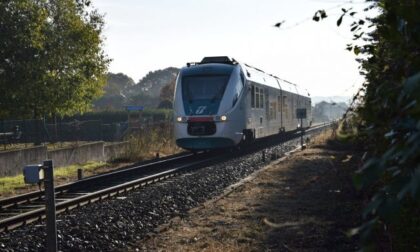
(147, 35)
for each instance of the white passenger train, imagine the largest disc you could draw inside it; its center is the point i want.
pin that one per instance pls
(220, 103)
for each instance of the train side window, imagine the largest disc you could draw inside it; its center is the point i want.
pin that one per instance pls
(292, 106)
(257, 97)
(279, 103)
(285, 110)
(272, 109)
(252, 96)
(261, 98)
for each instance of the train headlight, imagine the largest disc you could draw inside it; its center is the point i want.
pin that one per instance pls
(222, 118)
(181, 119)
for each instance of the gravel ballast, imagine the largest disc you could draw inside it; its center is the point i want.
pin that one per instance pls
(116, 223)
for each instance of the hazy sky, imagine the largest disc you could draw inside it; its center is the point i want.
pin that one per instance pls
(143, 36)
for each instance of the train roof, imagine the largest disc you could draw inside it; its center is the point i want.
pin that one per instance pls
(225, 64)
(261, 77)
(209, 68)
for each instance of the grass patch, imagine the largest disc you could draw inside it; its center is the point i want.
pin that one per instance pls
(321, 137)
(9, 184)
(346, 132)
(13, 184)
(71, 171)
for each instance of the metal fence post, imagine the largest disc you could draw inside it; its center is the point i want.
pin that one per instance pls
(301, 133)
(50, 206)
(79, 174)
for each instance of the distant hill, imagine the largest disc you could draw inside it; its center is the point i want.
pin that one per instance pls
(121, 90)
(324, 111)
(337, 99)
(154, 81)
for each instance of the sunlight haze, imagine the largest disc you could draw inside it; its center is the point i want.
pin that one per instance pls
(143, 36)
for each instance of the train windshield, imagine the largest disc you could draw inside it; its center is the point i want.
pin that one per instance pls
(204, 87)
(204, 92)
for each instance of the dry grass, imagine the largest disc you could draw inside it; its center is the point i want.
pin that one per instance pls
(145, 143)
(322, 137)
(346, 130)
(50, 146)
(303, 203)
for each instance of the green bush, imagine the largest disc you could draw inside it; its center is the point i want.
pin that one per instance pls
(389, 125)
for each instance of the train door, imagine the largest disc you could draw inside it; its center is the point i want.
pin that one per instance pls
(292, 111)
(251, 104)
(251, 113)
(297, 107)
(267, 112)
(280, 109)
(285, 111)
(256, 116)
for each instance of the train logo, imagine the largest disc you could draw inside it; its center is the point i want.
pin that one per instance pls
(200, 110)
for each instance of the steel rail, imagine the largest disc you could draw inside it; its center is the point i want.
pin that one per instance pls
(38, 195)
(86, 198)
(27, 217)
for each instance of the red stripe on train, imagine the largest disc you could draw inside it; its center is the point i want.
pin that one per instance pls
(201, 119)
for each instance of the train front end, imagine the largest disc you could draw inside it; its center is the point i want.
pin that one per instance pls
(204, 106)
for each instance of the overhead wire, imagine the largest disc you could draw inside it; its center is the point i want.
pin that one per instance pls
(342, 4)
(310, 18)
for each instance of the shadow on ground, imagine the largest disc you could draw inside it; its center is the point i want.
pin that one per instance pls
(313, 204)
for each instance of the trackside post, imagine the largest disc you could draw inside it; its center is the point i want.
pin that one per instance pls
(301, 133)
(301, 114)
(50, 206)
(36, 174)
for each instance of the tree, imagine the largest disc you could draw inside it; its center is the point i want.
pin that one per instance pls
(389, 120)
(115, 92)
(167, 91)
(51, 60)
(117, 84)
(165, 104)
(154, 81)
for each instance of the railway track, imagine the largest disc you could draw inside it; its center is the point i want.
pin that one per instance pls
(23, 209)
(97, 180)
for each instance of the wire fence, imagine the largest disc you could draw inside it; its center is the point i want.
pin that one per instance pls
(41, 131)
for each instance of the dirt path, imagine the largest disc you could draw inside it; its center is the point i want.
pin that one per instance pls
(305, 202)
